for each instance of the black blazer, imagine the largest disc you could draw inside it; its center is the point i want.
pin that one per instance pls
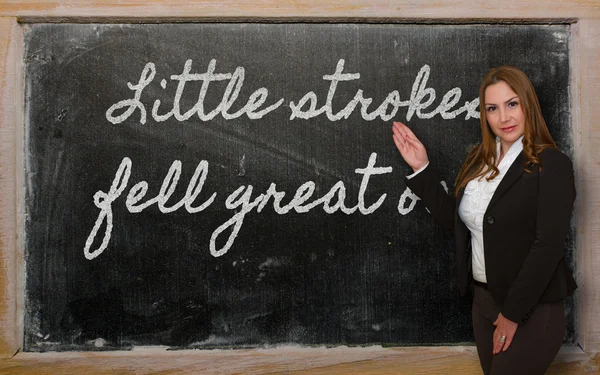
(524, 232)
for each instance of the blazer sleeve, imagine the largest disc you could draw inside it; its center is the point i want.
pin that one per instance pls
(556, 194)
(427, 186)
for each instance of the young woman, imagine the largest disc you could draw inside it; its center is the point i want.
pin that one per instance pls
(510, 214)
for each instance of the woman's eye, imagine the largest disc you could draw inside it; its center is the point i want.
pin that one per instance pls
(491, 109)
(513, 104)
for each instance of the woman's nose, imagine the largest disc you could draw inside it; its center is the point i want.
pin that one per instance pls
(503, 115)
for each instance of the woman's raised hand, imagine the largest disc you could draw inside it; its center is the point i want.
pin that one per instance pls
(411, 149)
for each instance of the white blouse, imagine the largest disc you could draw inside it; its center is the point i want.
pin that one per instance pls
(475, 201)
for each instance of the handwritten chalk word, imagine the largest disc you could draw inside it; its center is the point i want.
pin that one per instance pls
(236, 80)
(332, 201)
(240, 200)
(416, 104)
(104, 201)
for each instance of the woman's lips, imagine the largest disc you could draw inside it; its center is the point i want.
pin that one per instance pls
(509, 129)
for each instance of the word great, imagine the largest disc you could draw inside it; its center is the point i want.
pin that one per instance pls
(241, 201)
(421, 98)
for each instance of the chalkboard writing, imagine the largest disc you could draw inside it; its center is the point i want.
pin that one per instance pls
(234, 185)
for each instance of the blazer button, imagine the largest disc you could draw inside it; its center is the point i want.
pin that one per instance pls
(490, 220)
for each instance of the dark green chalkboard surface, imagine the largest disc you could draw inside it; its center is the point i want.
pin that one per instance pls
(235, 185)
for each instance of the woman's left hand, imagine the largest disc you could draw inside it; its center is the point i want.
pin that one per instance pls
(504, 328)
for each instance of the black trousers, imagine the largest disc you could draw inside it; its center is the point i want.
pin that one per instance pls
(534, 345)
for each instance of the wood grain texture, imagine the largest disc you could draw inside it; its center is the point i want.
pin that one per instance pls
(587, 162)
(10, 105)
(284, 360)
(462, 360)
(310, 9)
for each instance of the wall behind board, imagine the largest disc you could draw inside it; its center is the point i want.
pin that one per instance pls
(232, 111)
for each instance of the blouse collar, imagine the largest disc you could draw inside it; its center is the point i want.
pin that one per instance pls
(514, 150)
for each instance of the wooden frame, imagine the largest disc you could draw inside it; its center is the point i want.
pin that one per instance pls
(585, 56)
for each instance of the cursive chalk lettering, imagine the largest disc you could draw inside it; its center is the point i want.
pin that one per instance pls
(240, 200)
(252, 109)
(421, 98)
(332, 201)
(104, 200)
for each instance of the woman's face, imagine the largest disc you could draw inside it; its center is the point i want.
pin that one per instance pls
(504, 114)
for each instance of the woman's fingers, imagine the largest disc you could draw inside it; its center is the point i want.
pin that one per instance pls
(406, 149)
(400, 144)
(400, 131)
(502, 341)
(405, 130)
(408, 131)
(412, 139)
(498, 344)
(503, 334)
(496, 338)
(407, 134)
(509, 339)
(411, 149)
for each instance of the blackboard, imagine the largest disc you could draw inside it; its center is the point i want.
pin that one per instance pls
(158, 155)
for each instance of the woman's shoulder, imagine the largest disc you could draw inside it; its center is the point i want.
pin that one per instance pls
(552, 157)
(553, 153)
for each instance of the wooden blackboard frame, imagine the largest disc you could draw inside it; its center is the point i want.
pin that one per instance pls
(584, 16)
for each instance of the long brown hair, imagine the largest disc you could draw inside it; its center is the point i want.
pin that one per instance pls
(482, 159)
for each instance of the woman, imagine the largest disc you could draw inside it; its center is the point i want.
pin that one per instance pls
(510, 214)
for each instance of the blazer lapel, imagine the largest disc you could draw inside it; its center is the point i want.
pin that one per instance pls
(459, 198)
(514, 172)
